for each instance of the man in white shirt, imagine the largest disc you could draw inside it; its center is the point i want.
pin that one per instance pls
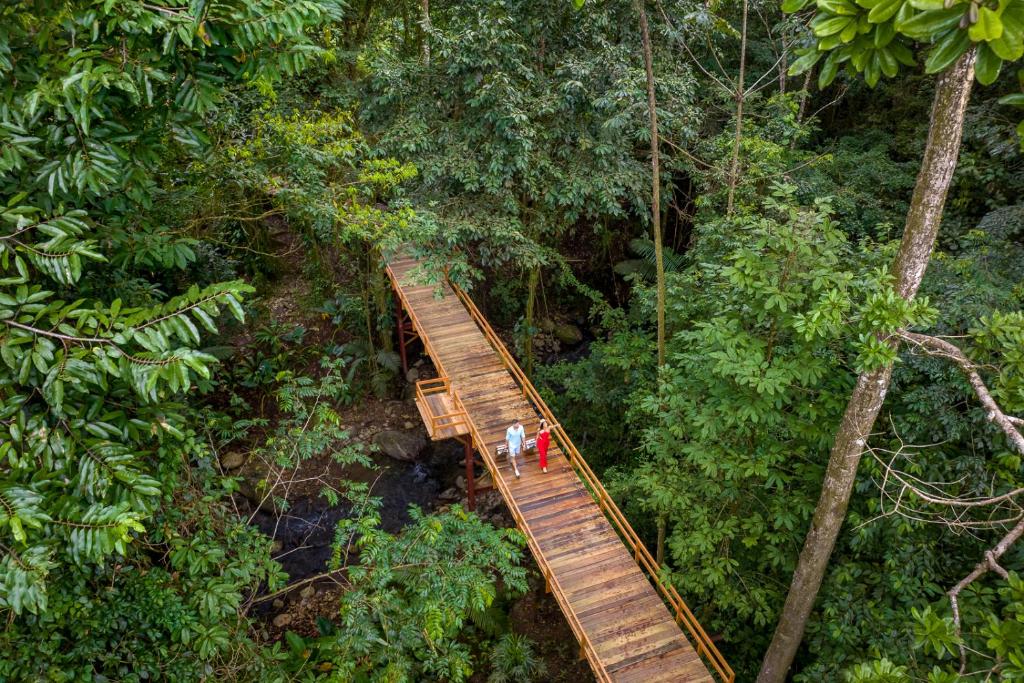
(515, 438)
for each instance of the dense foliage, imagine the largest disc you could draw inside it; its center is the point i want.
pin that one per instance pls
(196, 200)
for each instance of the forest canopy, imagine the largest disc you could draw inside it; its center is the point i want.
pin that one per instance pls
(764, 261)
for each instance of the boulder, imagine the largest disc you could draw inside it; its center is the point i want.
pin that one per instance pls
(567, 333)
(232, 460)
(282, 620)
(412, 376)
(408, 425)
(404, 446)
(460, 483)
(255, 477)
(307, 592)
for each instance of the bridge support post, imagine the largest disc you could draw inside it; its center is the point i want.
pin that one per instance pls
(401, 335)
(470, 474)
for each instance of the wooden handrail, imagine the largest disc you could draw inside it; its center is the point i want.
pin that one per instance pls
(415, 321)
(440, 385)
(556, 589)
(704, 645)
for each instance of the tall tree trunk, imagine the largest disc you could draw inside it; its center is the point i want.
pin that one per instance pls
(652, 107)
(426, 32)
(660, 554)
(659, 257)
(380, 304)
(734, 167)
(804, 94)
(952, 93)
(531, 306)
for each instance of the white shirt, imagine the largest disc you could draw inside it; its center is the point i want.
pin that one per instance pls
(515, 437)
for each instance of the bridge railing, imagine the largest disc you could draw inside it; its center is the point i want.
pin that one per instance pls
(456, 419)
(683, 615)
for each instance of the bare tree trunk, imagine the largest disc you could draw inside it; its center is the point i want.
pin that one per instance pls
(804, 95)
(801, 112)
(652, 107)
(660, 548)
(942, 149)
(734, 167)
(531, 306)
(783, 67)
(426, 32)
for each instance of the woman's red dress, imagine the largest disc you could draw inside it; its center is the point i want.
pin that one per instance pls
(543, 441)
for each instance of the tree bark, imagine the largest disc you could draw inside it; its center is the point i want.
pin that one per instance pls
(734, 167)
(426, 32)
(942, 149)
(531, 305)
(660, 547)
(652, 108)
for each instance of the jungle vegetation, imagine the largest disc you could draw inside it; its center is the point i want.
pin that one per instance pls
(766, 261)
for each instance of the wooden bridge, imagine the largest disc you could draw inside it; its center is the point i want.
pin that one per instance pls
(630, 625)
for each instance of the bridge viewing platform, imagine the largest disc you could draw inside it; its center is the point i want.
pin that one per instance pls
(631, 626)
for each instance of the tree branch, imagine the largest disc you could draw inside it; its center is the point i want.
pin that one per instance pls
(986, 565)
(941, 348)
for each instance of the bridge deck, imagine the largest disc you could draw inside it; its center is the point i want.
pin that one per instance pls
(624, 627)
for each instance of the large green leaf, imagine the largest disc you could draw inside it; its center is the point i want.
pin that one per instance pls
(926, 25)
(1010, 45)
(989, 26)
(987, 66)
(825, 25)
(947, 50)
(884, 11)
(828, 70)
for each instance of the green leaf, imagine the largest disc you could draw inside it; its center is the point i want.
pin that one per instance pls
(987, 66)
(884, 34)
(828, 70)
(884, 11)
(840, 7)
(804, 62)
(947, 50)
(825, 25)
(1010, 45)
(925, 25)
(989, 26)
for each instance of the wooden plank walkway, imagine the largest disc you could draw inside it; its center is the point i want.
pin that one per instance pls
(624, 626)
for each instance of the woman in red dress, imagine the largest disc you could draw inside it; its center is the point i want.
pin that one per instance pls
(543, 441)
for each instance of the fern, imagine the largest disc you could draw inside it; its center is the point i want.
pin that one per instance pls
(513, 660)
(645, 267)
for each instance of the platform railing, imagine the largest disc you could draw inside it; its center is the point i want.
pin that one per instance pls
(683, 615)
(442, 385)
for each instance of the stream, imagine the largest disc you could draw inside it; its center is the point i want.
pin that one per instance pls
(306, 531)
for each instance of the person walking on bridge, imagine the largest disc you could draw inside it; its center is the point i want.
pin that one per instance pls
(515, 439)
(543, 441)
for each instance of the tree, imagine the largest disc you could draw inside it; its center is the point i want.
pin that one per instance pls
(527, 148)
(93, 97)
(408, 597)
(871, 39)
